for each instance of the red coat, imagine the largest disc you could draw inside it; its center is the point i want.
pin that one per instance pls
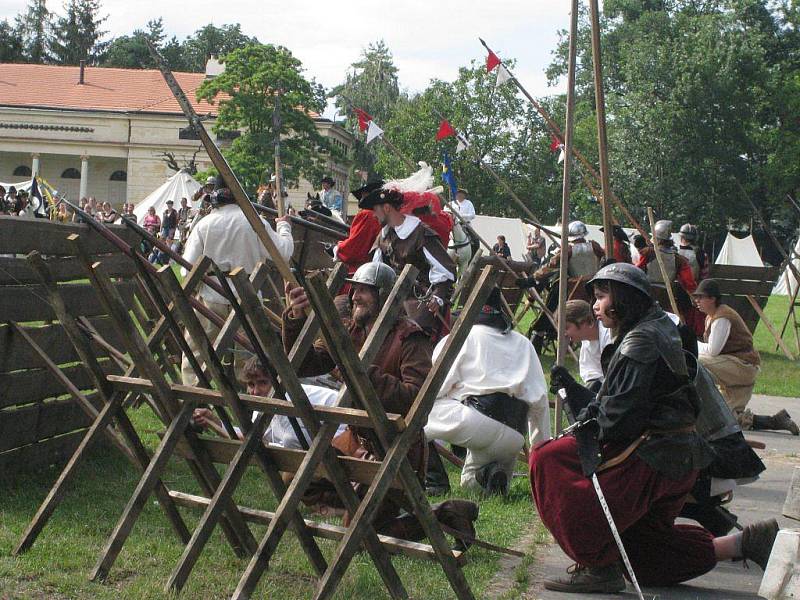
(441, 223)
(355, 250)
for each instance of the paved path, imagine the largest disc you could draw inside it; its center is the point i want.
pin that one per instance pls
(756, 501)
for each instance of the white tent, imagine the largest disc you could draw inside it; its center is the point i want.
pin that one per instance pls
(787, 284)
(513, 230)
(741, 252)
(180, 185)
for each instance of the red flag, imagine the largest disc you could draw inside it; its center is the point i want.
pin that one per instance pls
(363, 119)
(492, 61)
(555, 144)
(445, 130)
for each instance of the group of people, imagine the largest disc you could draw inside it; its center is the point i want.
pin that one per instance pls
(636, 410)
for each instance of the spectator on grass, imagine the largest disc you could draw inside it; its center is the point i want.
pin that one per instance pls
(152, 222)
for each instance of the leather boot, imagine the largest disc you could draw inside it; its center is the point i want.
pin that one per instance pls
(492, 479)
(780, 421)
(436, 481)
(405, 527)
(589, 580)
(459, 515)
(757, 541)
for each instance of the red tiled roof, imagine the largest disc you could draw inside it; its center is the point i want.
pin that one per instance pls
(118, 90)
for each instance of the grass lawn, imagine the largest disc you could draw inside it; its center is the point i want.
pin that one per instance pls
(58, 564)
(779, 376)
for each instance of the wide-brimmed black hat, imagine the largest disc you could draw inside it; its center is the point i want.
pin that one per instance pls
(618, 233)
(366, 189)
(381, 196)
(708, 287)
(328, 179)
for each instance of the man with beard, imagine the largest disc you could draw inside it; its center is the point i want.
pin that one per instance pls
(397, 374)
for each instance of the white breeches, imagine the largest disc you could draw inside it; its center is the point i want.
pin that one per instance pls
(485, 439)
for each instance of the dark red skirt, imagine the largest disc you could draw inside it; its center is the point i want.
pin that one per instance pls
(644, 505)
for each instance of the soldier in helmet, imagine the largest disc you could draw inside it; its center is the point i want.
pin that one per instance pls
(584, 258)
(694, 254)
(678, 271)
(397, 374)
(227, 238)
(638, 435)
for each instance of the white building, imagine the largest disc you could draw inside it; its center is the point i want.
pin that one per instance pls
(103, 132)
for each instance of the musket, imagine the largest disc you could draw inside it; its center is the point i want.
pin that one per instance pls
(305, 222)
(223, 168)
(126, 249)
(161, 245)
(555, 131)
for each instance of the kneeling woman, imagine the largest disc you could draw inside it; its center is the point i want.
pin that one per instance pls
(638, 435)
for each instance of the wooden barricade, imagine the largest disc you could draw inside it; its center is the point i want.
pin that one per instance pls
(41, 377)
(358, 405)
(737, 283)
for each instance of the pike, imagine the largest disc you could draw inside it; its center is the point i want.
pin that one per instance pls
(563, 263)
(556, 132)
(276, 126)
(223, 168)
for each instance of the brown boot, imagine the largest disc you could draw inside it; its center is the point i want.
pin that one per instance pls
(459, 515)
(784, 422)
(757, 541)
(589, 580)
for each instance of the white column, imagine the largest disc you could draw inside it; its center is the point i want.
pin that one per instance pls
(34, 165)
(84, 177)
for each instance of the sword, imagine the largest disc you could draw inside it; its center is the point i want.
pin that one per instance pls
(615, 532)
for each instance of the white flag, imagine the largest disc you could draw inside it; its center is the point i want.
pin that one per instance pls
(561, 155)
(461, 146)
(502, 76)
(373, 131)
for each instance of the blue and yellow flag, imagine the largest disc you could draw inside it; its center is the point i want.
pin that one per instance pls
(448, 177)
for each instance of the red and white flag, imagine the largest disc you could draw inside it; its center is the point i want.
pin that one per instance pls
(363, 119)
(373, 131)
(555, 144)
(445, 130)
(492, 61)
(503, 76)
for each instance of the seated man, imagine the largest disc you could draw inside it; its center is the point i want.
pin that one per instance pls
(397, 374)
(727, 352)
(495, 395)
(584, 328)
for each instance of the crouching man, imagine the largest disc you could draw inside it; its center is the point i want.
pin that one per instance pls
(397, 374)
(493, 397)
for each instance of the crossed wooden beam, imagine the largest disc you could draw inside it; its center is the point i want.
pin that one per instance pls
(174, 404)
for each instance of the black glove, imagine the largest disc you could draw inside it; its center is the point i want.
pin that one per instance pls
(577, 396)
(328, 248)
(560, 378)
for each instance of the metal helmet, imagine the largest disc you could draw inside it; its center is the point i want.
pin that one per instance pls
(663, 230)
(378, 275)
(689, 232)
(211, 181)
(624, 273)
(221, 196)
(577, 229)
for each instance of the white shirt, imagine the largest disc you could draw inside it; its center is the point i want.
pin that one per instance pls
(280, 432)
(591, 351)
(226, 237)
(491, 361)
(717, 337)
(438, 273)
(466, 209)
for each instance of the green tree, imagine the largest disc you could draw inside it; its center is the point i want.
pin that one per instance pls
(372, 86)
(248, 86)
(131, 52)
(78, 35)
(213, 41)
(11, 49)
(33, 27)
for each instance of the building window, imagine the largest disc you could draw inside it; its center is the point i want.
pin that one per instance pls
(71, 174)
(118, 176)
(22, 171)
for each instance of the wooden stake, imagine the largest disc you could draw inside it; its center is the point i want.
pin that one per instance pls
(770, 327)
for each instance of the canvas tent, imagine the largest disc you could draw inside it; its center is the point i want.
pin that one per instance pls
(787, 284)
(180, 185)
(513, 229)
(741, 252)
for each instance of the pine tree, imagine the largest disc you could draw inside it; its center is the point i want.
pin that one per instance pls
(77, 35)
(10, 43)
(33, 28)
